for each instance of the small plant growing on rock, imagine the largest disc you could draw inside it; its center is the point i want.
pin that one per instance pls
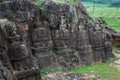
(74, 2)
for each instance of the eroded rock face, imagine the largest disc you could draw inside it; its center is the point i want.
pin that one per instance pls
(3, 74)
(59, 36)
(14, 30)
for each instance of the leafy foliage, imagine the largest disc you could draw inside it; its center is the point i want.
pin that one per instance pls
(118, 45)
(39, 1)
(74, 2)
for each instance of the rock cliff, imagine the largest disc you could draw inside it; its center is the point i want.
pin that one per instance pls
(52, 36)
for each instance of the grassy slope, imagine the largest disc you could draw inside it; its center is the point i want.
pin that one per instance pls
(109, 14)
(104, 70)
(113, 23)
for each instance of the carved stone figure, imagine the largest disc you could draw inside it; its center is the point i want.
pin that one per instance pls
(59, 36)
(18, 52)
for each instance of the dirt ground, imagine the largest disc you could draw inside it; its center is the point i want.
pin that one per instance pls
(116, 63)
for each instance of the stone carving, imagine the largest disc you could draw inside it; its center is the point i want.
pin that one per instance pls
(18, 52)
(42, 47)
(64, 46)
(98, 43)
(62, 36)
(108, 50)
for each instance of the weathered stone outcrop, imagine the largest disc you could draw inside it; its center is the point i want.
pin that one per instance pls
(58, 36)
(15, 35)
(3, 73)
(112, 35)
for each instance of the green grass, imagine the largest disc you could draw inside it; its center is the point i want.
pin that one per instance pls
(113, 23)
(39, 1)
(109, 14)
(104, 70)
(74, 2)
